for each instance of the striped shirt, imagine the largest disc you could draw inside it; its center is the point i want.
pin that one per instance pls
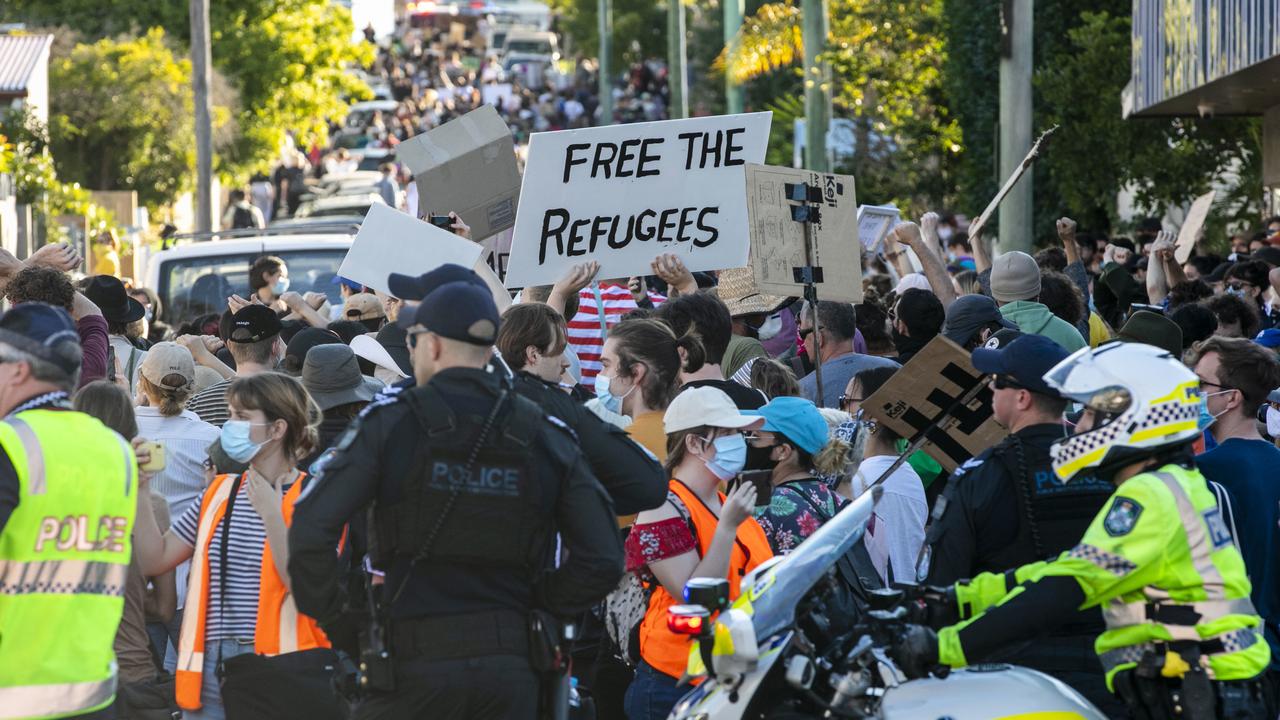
(186, 439)
(244, 555)
(585, 336)
(211, 403)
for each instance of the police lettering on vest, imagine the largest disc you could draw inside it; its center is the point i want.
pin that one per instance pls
(484, 479)
(72, 532)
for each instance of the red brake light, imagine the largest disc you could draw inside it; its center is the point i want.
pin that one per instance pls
(687, 619)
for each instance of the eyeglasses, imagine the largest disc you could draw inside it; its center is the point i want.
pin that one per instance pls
(411, 338)
(1004, 382)
(1217, 385)
(208, 464)
(846, 400)
(1239, 285)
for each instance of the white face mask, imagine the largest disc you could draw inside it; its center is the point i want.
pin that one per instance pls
(1273, 422)
(770, 328)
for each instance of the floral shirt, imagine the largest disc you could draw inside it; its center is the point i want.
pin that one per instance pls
(795, 511)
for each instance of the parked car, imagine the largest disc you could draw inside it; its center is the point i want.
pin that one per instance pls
(360, 114)
(339, 205)
(195, 279)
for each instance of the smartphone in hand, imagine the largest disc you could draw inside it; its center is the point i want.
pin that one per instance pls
(763, 481)
(157, 462)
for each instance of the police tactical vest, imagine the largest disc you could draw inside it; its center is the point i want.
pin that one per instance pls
(1052, 515)
(64, 556)
(488, 516)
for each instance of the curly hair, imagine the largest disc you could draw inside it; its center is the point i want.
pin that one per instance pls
(42, 284)
(1060, 294)
(1188, 292)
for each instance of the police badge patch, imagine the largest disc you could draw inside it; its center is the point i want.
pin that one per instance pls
(1122, 516)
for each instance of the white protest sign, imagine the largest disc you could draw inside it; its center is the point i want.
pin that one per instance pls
(495, 94)
(390, 241)
(778, 241)
(1191, 227)
(623, 194)
(874, 222)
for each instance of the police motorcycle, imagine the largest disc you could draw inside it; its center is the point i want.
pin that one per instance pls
(787, 648)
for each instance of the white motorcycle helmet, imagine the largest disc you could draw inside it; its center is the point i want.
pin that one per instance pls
(1143, 398)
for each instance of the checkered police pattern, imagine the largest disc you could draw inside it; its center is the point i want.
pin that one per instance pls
(1169, 413)
(1108, 561)
(62, 577)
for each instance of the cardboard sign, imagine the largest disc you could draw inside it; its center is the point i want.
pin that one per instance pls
(623, 194)
(467, 166)
(778, 241)
(497, 252)
(928, 387)
(391, 241)
(1191, 227)
(874, 222)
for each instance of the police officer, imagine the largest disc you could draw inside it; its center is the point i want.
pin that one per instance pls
(68, 489)
(1182, 638)
(1003, 508)
(472, 490)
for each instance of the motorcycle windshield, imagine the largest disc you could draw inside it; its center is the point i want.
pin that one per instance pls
(777, 591)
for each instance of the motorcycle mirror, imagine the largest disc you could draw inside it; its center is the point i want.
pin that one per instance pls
(712, 593)
(885, 598)
(688, 619)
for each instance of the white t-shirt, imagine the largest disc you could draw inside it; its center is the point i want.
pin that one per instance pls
(896, 530)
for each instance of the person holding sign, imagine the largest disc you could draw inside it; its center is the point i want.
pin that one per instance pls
(1002, 509)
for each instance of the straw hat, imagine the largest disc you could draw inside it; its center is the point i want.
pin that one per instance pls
(737, 290)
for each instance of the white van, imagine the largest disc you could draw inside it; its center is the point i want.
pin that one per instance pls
(195, 279)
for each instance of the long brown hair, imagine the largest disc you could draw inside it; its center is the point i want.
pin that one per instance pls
(653, 344)
(111, 404)
(281, 397)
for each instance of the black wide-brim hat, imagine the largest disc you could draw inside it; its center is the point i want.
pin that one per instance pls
(108, 293)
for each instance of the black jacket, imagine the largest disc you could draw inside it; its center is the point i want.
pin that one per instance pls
(632, 476)
(372, 460)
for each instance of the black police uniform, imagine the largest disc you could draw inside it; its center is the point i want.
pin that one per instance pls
(1005, 508)
(486, 539)
(631, 475)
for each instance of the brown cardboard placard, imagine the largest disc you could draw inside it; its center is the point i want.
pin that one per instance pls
(777, 241)
(467, 166)
(925, 389)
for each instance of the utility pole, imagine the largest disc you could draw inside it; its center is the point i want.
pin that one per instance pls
(817, 83)
(733, 93)
(1016, 212)
(676, 55)
(604, 9)
(201, 79)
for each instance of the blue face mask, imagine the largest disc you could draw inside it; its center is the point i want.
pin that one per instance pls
(1238, 292)
(236, 443)
(1207, 418)
(281, 286)
(611, 402)
(731, 457)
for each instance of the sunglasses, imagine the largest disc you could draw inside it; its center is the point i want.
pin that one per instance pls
(1239, 285)
(1004, 382)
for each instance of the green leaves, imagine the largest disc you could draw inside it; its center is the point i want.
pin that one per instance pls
(121, 117)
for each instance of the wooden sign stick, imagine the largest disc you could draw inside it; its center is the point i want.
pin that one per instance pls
(975, 228)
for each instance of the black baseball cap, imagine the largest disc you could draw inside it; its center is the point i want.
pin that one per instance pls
(254, 323)
(1002, 338)
(411, 288)
(458, 311)
(45, 331)
(1026, 360)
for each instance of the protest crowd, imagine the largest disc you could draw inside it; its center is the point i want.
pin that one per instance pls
(442, 499)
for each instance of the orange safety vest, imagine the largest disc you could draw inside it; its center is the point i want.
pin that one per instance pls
(280, 628)
(662, 649)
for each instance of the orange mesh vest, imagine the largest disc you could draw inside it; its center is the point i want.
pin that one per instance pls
(663, 649)
(279, 628)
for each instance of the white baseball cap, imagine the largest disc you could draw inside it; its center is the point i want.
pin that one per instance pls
(706, 406)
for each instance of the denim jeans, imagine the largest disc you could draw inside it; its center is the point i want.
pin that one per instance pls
(652, 694)
(210, 694)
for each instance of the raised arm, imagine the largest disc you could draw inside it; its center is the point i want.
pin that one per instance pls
(909, 234)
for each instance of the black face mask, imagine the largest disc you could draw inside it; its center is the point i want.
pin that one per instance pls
(905, 345)
(758, 458)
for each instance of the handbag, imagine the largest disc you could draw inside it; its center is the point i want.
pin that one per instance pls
(301, 685)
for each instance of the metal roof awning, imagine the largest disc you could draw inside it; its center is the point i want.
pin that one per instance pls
(1249, 91)
(19, 55)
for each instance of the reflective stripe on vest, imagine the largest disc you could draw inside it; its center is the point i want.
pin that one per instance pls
(1232, 642)
(1119, 614)
(51, 700)
(36, 482)
(62, 577)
